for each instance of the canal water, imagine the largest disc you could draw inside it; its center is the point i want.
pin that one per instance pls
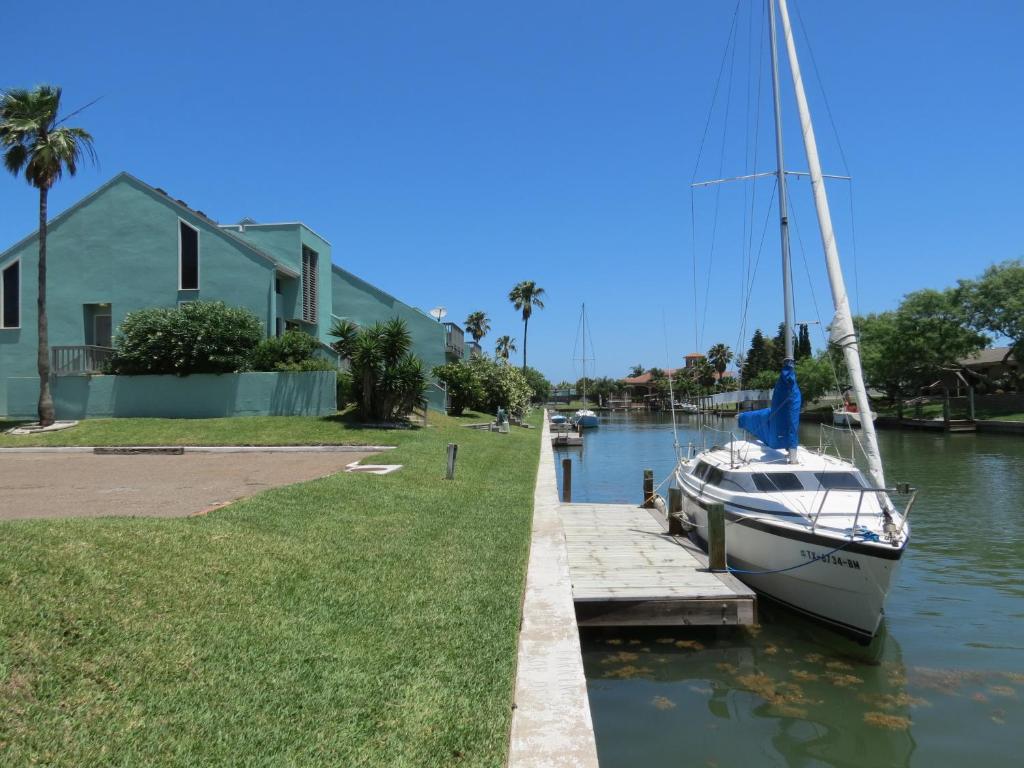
(942, 686)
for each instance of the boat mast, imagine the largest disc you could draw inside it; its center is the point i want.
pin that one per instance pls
(780, 170)
(787, 273)
(842, 331)
(583, 318)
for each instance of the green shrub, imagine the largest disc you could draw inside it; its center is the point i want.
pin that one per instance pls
(292, 351)
(388, 380)
(198, 337)
(346, 392)
(464, 385)
(485, 385)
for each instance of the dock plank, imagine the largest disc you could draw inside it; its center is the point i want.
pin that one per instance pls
(627, 571)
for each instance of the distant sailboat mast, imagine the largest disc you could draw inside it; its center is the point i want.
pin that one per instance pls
(842, 331)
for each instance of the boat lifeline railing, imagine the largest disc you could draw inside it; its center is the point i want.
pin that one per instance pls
(900, 489)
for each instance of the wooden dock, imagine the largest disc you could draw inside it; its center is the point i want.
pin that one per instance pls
(627, 571)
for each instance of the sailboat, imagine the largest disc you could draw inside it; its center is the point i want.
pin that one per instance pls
(804, 528)
(584, 417)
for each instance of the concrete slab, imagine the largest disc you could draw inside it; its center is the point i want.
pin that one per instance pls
(551, 723)
(51, 485)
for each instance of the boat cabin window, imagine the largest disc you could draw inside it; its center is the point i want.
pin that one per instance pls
(715, 476)
(839, 480)
(769, 482)
(701, 470)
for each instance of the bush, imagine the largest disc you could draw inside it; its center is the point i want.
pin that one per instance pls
(198, 337)
(387, 379)
(485, 385)
(464, 385)
(293, 351)
(346, 392)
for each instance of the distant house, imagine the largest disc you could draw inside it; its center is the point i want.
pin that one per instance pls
(987, 365)
(129, 246)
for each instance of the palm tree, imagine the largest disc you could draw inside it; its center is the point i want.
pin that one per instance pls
(505, 346)
(636, 370)
(525, 296)
(34, 140)
(719, 356)
(478, 325)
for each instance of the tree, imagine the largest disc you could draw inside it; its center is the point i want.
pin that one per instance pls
(815, 376)
(757, 359)
(524, 297)
(905, 350)
(704, 374)
(656, 374)
(803, 345)
(36, 141)
(636, 370)
(778, 348)
(478, 325)
(505, 346)
(763, 380)
(719, 357)
(995, 303)
(539, 384)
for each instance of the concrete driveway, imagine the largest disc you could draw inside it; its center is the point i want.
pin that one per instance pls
(49, 485)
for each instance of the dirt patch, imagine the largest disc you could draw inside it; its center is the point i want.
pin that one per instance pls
(89, 485)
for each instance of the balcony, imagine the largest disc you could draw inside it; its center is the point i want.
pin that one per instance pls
(79, 360)
(454, 340)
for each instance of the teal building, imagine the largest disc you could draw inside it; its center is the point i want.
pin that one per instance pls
(128, 246)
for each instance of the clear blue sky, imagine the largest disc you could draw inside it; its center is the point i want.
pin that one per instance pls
(450, 149)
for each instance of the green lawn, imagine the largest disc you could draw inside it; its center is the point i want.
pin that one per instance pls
(352, 620)
(247, 430)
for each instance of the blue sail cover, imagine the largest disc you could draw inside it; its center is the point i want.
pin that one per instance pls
(778, 426)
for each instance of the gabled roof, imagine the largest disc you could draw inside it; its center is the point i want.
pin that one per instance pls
(174, 203)
(986, 357)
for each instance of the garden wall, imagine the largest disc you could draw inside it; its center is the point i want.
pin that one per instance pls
(198, 396)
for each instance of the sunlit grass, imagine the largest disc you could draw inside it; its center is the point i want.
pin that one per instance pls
(351, 620)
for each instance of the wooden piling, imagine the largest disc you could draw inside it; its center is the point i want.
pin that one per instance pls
(648, 488)
(567, 481)
(675, 508)
(716, 537)
(453, 451)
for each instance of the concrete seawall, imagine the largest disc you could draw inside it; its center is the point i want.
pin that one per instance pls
(551, 724)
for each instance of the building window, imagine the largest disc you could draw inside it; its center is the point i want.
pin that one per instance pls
(188, 257)
(277, 286)
(10, 296)
(310, 284)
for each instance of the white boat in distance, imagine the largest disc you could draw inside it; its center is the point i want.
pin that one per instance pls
(842, 417)
(584, 417)
(803, 528)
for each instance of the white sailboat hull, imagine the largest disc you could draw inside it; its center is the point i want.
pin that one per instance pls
(843, 589)
(586, 419)
(841, 418)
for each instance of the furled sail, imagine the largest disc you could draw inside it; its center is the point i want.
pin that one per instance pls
(779, 425)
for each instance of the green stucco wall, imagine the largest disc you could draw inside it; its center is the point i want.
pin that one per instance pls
(284, 242)
(197, 396)
(120, 247)
(357, 300)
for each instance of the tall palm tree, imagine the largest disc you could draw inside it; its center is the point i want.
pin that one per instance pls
(719, 356)
(33, 139)
(478, 325)
(505, 346)
(525, 296)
